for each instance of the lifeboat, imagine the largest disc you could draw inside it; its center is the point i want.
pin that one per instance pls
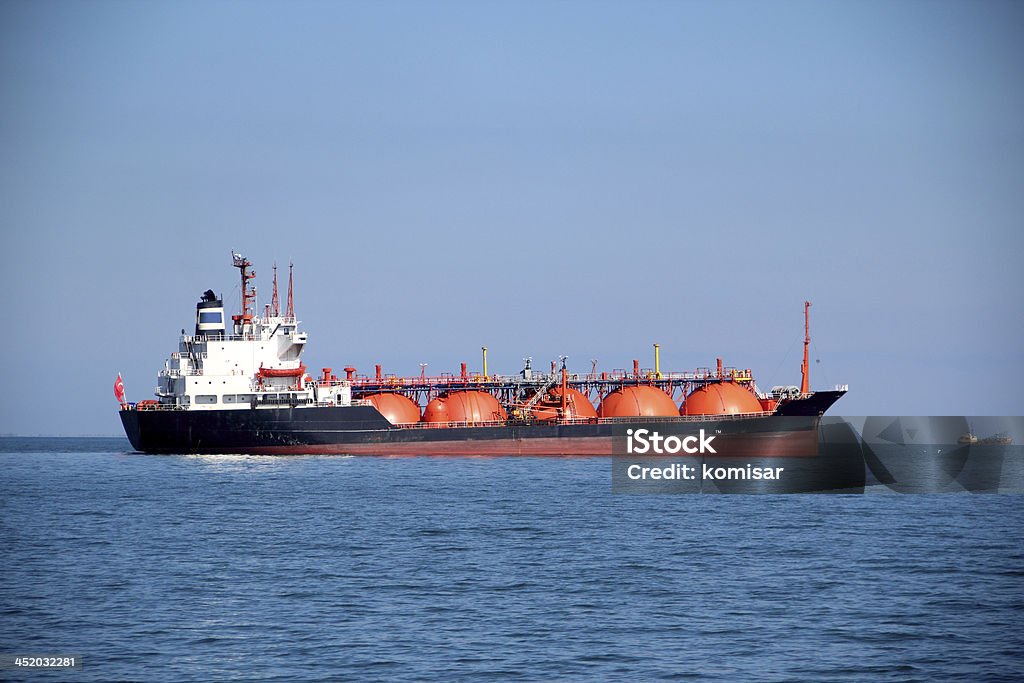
(282, 372)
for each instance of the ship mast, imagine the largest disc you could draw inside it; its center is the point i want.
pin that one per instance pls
(565, 389)
(805, 368)
(290, 313)
(275, 300)
(248, 293)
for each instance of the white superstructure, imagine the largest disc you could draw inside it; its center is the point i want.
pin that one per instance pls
(257, 363)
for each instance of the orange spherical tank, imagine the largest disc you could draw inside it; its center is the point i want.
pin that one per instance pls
(721, 398)
(577, 405)
(398, 409)
(464, 406)
(637, 401)
(437, 411)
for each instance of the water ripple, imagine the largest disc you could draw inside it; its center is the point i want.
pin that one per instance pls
(306, 569)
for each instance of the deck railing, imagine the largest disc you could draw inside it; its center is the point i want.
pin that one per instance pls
(146, 405)
(588, 420)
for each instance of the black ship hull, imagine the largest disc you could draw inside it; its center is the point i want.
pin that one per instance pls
(361, 430)
(814, 404)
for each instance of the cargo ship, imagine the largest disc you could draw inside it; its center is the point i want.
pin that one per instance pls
(241, 386)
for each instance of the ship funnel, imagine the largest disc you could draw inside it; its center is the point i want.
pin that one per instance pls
(209, 315)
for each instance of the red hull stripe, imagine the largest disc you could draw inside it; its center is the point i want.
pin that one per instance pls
(489, 447)
(797, 444)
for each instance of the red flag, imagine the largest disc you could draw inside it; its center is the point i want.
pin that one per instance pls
(119, 389)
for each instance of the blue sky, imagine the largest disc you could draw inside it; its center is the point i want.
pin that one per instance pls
(544, 178)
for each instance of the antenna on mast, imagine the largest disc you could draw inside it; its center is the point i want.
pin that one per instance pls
(275, 300)
(805, 367)
(290, 313)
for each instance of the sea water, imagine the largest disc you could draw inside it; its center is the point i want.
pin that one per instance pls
(173, 568)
